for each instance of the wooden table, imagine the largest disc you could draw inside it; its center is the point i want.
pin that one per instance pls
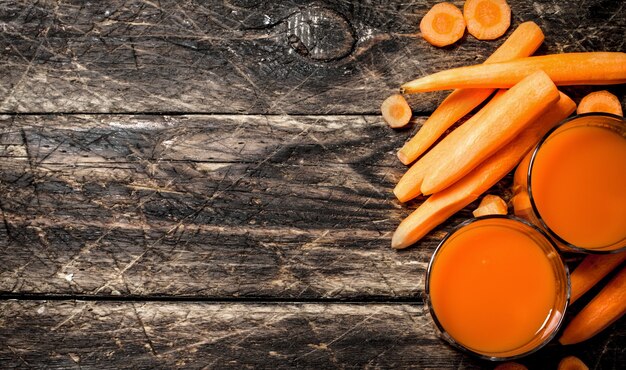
(208, 185)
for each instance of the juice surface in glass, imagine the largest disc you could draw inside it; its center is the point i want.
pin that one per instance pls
(578, 183)
(497, 287)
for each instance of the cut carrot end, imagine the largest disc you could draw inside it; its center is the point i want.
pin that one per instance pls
(396, 111)
(600, 101)
(403, 158)
(491, 205)
(487, 19)
(443, 25)
(572, 363)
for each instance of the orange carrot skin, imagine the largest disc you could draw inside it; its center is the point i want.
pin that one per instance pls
(591, 270)
(491, 205)
(523, 42)
(572, 363)
(480, 30)
(409, 185)
(600, 101)
(464, 148)
(440, 206)
(604, 309)
(396, 111)
(430, 24)
(592, 68)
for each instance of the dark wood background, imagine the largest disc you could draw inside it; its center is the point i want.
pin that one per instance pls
(205, 184)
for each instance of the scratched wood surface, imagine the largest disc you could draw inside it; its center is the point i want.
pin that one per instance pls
(208, 184)
(250, 56)
(148, 335)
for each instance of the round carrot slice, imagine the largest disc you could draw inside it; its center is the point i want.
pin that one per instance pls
(396, 111)
(487, 19)
(600, 101)
(443, 25)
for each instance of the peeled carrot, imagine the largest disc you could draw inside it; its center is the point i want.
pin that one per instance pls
(464, 148)
(600, 101)
(487, 19)
(593, 68)
(491, 205)
(443, 25)
(604, 309)
(396, 111)
(438, 207)
(572, 363)
(526, 38)
(591, 270)
(409, 185)
(510, 366)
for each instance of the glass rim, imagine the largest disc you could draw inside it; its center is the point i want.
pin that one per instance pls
(533, 204)
(468, 350)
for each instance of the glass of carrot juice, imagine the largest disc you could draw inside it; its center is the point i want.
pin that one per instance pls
(497, 288)
(575, 184)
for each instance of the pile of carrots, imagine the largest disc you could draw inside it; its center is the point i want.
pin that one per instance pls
(525, 104)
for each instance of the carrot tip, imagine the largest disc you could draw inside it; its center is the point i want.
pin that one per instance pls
(403, 157)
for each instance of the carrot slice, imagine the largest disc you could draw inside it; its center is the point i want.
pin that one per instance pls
(526, 38)
(600, 101)
(438, 207)
(591, 270)
(443, 25)
(487, 19)
(396, 111)
(593, 68)
(510, 366)
(572, 363)
(491, 205)
(464, 148)
(604, 309)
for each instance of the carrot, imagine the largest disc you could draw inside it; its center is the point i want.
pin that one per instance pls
(600, 101)
(464, 148)
(491, 205)
(487, 19)
(572, 363)
(591, 270)
(409, 185)
(438, 207)
(523, 42)
(605, 308)
(396, 111)
(510, 366)
(593, 68)
(443, 25)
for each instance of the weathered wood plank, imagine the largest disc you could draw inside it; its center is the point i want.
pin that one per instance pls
(217, 206)
(140, 335)
(250, 56)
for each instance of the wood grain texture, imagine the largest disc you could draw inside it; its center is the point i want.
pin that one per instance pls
(321, 57)
(148, 335)
(208, 206)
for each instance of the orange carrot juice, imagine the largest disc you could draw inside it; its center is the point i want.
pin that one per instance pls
(578, 183)
(497, 287)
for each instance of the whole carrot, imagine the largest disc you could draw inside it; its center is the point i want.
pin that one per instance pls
(593, 68)
(524, 41)
(439, 206)
(591, 270)
(604, 309)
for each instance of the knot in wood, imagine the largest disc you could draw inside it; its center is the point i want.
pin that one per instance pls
(320, 34)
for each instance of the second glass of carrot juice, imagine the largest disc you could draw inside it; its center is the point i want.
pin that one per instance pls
(497, 287)
(574, 184)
